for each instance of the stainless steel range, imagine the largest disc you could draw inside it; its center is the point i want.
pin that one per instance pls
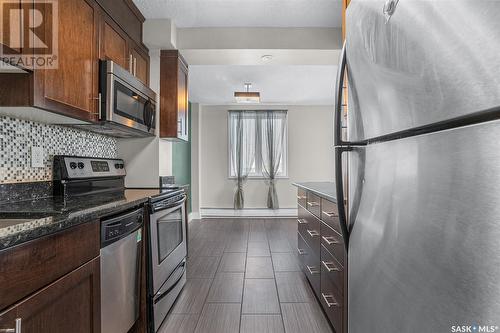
(167, 253)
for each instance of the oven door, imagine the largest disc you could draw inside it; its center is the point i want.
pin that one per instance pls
(128, 106)
(168, 242)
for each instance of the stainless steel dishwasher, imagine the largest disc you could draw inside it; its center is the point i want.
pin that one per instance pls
(121, 239)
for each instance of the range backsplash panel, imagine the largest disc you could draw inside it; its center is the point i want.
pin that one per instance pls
(17, 137)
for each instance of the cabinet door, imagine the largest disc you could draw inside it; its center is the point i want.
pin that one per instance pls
(182, 102)
(70, 304)
(140, 65)
(11, 29)
(114, 44)
(72, 87)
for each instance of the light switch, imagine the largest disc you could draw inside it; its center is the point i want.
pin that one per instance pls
(37, 155)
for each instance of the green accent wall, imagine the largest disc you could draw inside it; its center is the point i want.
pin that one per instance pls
(181, 160)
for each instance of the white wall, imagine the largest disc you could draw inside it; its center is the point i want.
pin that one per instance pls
(310, 156)
(147, 158)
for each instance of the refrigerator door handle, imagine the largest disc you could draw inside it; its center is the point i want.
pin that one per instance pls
(337, 119)
(339, 186)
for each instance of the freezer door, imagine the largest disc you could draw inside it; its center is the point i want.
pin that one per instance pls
(424, 251)
(431, 61)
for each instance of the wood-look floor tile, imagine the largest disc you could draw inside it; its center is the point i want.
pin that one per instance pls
(219, 318)
(262, 324)
(192, 296)
(202, 267)
(293, 287)
(285, 262)
(236, 245)
(179, 323)
(259, 267)
(226, 288)
(258, 249)
(304, 317)
(280, 245)
(260, 297)
(233, 262)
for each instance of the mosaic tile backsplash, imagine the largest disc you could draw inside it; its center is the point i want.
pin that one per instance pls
(17, 137)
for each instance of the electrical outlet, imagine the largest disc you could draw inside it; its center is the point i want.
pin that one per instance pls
(37, 155)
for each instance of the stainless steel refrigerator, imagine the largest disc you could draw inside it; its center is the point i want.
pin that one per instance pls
(423, 153)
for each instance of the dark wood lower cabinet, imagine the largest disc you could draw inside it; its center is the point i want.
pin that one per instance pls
(70, 304)
(322, 254)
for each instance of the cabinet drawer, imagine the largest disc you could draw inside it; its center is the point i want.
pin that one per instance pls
(309, 227)
(333, 242)
(301, 197)
(313, 204)
(332, 273)
(30, 266)
(332, 303)
(312, 269)
(330, 214)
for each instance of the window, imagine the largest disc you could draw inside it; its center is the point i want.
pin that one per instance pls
(255, 138)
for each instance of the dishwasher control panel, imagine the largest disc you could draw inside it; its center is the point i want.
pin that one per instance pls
(119, 226)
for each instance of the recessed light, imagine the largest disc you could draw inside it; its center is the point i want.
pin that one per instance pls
(267, 57)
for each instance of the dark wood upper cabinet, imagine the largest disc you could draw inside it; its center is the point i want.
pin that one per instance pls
(173, 96)
(140, 64)
(88, 30)
(70, 304)
(114, 43)
(72, 87)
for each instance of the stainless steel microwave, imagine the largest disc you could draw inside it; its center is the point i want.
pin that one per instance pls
(127, 107)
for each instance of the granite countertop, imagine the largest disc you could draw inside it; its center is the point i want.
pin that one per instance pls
(325, 190)
(22, 221)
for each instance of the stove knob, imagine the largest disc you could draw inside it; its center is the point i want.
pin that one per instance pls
(121, 166)
(117, 166)
(81, 165)
(72, 165)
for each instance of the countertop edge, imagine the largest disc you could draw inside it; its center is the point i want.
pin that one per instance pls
(65, 223)
(310, 186)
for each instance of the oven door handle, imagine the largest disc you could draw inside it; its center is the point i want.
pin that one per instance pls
(155, 208)
(162, 293)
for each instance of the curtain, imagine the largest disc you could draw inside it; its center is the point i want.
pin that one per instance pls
(243, 136)
(272, 128)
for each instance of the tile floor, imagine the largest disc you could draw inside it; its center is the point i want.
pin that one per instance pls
(243, 276)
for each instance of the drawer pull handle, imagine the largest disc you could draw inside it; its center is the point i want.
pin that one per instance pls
(301, 252)
(332, 214)
(329, 304)
(330, 266)
(313, 233)
(13, 330)
(302, 221)
(300, 197)
(330, 240)
(312, 270)
(312, 204)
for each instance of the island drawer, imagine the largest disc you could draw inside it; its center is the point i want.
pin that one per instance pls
(333, 242)
(330, 214)
(301, 197)
(313, 204)
(310, 227)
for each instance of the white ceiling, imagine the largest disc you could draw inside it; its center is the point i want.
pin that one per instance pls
(289, 85)
(245, 13)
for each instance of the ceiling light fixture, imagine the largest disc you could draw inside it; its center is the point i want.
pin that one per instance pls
(267, 57)
(247, 96)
